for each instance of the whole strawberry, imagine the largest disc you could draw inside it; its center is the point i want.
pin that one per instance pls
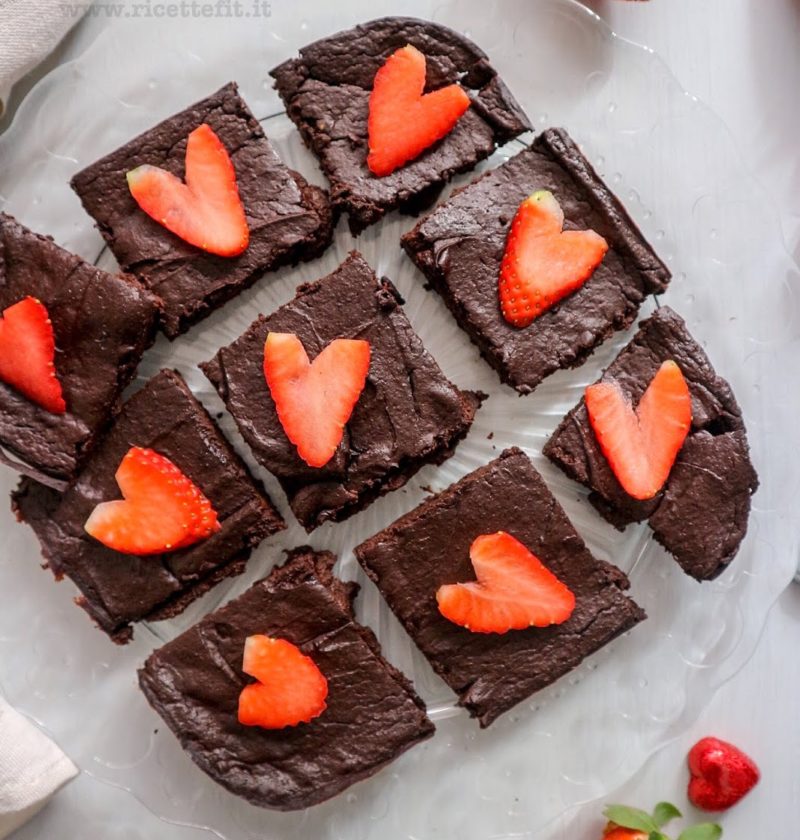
(721, 774)
(627, 823)
(617, 832)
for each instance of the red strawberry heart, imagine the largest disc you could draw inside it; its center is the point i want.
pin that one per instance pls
(514, 590)
(290, 689)
(543, 263)
(641, 446)
(314, 400)
(27, 351)
(206, 211)
(721, 774)
(162, 510)
(403, 121)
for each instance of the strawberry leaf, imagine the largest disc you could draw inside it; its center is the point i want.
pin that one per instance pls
(702, 831)
(634, 818)
(657, 835)
(665, 812)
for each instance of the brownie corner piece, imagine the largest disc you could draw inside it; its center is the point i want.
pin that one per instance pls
(408, 415)
(701, 514)
(118, 590)
(289, 219)
(430, 547)
(102, 324)
(372, 716)
(459, 248)
(326, 92)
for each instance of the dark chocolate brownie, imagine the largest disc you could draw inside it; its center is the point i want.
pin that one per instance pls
(118, 589)
(429, 547)
(701, 514)
(102, 325)
(408, 415)
(326, 91)
(460, 246)
(372, 716)
(289, 220)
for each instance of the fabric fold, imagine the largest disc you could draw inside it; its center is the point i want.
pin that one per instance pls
(29, 31)
(32, 769)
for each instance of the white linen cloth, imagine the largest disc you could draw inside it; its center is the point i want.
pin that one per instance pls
(29, 31)
(32, 769)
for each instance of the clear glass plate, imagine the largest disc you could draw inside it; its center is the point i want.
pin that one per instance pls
(674, 165)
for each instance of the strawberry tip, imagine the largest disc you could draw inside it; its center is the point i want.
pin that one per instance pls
(132, 175)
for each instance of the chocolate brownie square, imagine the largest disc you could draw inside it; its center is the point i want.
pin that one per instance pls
(430, 547)
(102, 324)
(409, 414)
(118, 589)
(326, 91)
(372, 716)
(700, 516)
(460, 245)
(289, 220)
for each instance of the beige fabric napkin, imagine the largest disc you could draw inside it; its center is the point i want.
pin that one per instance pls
(32, 769)
(29, 31)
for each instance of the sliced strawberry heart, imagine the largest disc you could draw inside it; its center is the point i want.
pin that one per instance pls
(162, 510)
(641, 446)
(514, 590)
(543, 263)
(290, 689)
(721, 774)
(403, 121)
(206, 211)
(314, 400)
(27, 351)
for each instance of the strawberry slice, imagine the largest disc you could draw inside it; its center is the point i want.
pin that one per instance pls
(314, 400)
(403, 121)
(291, 689)
(27, 353)
(514, 590)
(543, 263)
(641, 446)
(206, 211)
(162, 509)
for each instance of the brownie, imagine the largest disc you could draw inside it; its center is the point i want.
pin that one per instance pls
(409, 414)
(430, 546)
(460, 245)
(289, 220)
(101, 323)
(118, 589)
(700, 516)
(326, 91)
(372, 716)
